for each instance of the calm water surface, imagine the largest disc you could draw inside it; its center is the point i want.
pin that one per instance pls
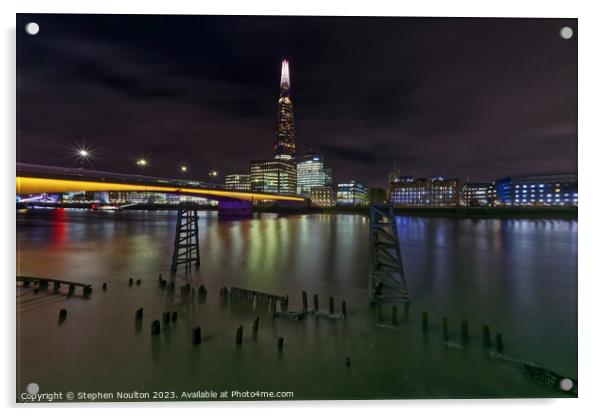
(518, 276)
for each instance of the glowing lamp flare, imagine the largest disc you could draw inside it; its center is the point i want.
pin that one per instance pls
(82, 153)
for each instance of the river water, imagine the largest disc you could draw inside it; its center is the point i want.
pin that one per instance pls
(519, 276)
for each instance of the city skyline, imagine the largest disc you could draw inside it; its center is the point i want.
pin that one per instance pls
(441, 100)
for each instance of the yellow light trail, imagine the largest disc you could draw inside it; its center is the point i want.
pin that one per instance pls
(28, 185)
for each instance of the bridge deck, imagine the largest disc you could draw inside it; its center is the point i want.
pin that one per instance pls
(36, 179)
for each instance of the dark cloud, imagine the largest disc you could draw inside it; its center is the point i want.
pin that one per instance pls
(478, 98)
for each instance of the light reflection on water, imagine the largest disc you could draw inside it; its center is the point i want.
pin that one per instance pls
(519, 276)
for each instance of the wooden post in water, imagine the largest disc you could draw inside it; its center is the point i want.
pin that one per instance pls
(174, 316)
(316, 304)
(304, 299)
(138, 282)
(425, 322)
(499, 346)
(464, 332)
(139, 313)
(63, 314)
(104, 286)
(166, 318)
(394, 315)
(239, 335)
(155, 327)
(486, 337)
(280, 342)
(283, 307)
(130, 282)
(256, 324)
(344, 308)
(196, 335)
(331, 305)
(445, 331)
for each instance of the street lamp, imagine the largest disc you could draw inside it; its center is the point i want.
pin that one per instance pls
(142, 165)
(82, 154)
(212, 176)
(183, 169)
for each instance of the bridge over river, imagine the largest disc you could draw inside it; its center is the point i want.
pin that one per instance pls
(38, 179)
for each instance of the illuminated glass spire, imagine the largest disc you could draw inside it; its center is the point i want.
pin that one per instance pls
(285, 78)
(285, 145)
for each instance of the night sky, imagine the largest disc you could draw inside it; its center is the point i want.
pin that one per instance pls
(477, 98)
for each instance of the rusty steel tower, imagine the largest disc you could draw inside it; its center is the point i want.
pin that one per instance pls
(186, 242)
(386, 280)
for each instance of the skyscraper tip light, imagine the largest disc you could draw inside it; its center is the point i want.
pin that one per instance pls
(285, 79)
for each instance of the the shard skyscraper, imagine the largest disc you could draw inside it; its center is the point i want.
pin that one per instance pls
(285, 146)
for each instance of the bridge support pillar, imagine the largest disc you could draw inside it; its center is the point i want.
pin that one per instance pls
(386, 280)
(235, 208)
(186, 242)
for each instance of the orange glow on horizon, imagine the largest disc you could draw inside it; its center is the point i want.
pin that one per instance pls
(27, 185)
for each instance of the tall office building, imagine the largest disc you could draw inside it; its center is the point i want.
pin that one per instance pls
(279, 175)
(274, 176)
(311, 172)
(238, 181)
(285, 146)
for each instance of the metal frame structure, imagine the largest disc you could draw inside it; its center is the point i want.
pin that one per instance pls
(386, 280)
(186, 242)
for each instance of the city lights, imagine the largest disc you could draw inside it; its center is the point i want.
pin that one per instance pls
(142, 162)
(184, 168)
